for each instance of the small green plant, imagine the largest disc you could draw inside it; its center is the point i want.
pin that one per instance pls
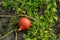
(41, 24)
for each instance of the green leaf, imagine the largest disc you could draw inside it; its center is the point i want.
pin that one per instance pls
(55, 17)
(4, 4)
(54, 10)
(48, 6)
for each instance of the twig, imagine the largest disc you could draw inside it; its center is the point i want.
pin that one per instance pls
(7, 34)
(5, 16)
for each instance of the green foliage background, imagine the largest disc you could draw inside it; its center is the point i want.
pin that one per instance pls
(42, 21)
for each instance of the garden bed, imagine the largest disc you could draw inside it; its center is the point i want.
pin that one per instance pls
(10, 15)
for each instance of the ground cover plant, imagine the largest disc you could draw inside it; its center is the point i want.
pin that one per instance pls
(42, 14)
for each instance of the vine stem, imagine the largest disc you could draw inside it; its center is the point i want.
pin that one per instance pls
(16, 34)
(6, 16)
(7, 34)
